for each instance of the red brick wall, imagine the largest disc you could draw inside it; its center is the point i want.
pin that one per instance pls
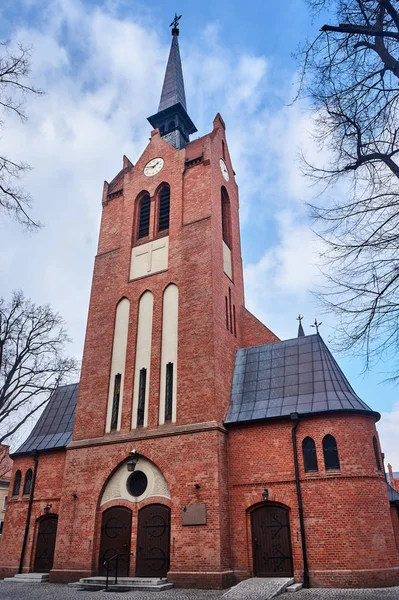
(48, 489)
(349, 533)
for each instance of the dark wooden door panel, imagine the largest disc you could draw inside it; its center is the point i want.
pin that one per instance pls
(271, 542)
(153, 541)
(116, 533)
(45, 544)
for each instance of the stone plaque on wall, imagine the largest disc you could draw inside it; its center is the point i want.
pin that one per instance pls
(194, 514)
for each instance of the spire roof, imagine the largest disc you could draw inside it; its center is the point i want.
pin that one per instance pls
(173, 85)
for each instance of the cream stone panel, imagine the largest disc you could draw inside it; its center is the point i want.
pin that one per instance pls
(143, 352)
(227, 261)
(149, 258)
(118, 357)
(116, 487)
(170, 318)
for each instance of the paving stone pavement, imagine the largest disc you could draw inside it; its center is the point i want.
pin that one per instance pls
(333, 594)
(51, 591)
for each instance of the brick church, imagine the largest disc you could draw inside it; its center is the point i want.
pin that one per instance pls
(197, 445)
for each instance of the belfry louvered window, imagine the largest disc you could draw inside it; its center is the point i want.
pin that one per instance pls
(28, 482)
(169, 392)
(17, 483)
(141, 402)
(330, 450)
(144, 217)
(309, 455)
(115, 401)
(164, 208)
(377, 454)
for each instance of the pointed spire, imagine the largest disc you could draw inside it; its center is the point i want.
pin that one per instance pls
(173, 85)
(301, 332)
(172, 119)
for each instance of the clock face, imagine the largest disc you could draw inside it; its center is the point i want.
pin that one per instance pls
(224, 169)
(153, 166)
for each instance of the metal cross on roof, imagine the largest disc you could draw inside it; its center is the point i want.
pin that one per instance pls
(316, 325)
(299, 318)
(175, 22)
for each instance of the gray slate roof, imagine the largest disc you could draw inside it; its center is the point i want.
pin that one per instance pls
(55, 426)
(298, 375)
(393, 495)
(173, 85)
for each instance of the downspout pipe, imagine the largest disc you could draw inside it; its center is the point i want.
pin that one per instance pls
(295, 420)
(32, 493)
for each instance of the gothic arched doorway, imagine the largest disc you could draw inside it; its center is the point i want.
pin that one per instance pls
(153, 541)
(116, 530)
(271, 541)
(45, 544)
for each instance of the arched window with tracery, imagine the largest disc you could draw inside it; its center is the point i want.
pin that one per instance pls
(27, 482)
(17, 483)
(143, 226)
(309, 455)
(226, 217)
(377, 453)
(330, 450)
(164, 208)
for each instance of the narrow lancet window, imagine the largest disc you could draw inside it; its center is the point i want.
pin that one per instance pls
(17, 483)
(309, 455)
(226, 222)
(169, 392)
(144, 217)
(115, 401)
(227, 312)
(27, 482)
(377, 454)
(330, 450)
(141, 403)
(164, 208)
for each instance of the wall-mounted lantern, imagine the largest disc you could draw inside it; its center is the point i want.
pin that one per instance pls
(47, 509)
(265, 495)
(133, 460)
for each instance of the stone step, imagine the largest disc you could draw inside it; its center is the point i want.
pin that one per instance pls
(126, 580)
(295, 587)
(28, 578)
(122, 587)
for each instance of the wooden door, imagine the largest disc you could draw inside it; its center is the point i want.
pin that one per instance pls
(271, 542)
(45, 544)
(116, 533)
(153, 541)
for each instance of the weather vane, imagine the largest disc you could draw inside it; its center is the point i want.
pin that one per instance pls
(175, 24)
(316, 325)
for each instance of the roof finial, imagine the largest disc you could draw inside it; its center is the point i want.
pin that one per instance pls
(301, 332)
(316, 325)
(175, 24)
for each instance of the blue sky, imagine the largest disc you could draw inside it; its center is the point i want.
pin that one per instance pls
(101, 65)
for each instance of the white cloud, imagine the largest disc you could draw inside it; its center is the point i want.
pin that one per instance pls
(388, 429)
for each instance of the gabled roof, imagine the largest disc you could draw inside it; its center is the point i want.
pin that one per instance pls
(55, 426)
(292, 376)
(393, 495)
(173, 85)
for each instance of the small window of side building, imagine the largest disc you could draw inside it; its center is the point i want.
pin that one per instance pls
(1, 527)
(164, 208)
(377, 454)
(330, 451)
(143, 228)
(17, 483)
(27, 482)
(309, 455)
(3, 508)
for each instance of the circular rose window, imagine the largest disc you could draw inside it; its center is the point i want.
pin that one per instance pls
(137, 483)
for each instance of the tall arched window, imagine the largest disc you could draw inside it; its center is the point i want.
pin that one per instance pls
(17, 483)
(226, 220)
(377, 454)
(27, 482)
(330, 450)
(164, 208)
(309, 455)
(143, 228)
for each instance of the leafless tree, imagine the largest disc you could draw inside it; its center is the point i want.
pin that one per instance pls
(14, 87)
(32, 361)
(351, 74)
(5, 462)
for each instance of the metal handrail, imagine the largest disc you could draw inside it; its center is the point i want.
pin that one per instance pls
(106, 564)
